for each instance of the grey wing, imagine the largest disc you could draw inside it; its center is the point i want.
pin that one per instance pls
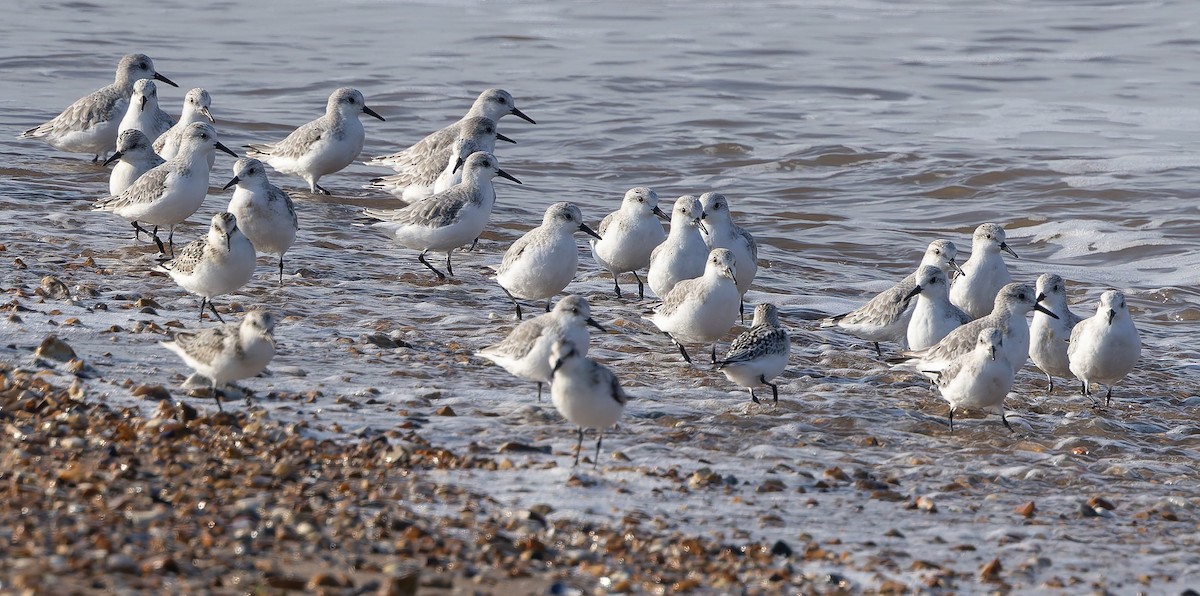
(521, 339)
(604, 223)
(955, 344)
(884, 308)
(603, 376)
(204, 346)
(297, 143)
(149, 187)
(188, 258)
(88, 111)
(437, 143)
(678, 295)
(1072, 319)
(750, 243)
(947, 374)
(274, 193)
(161, 141)
(759, 341)
(439, 209)
(513, 254)
(958, 314)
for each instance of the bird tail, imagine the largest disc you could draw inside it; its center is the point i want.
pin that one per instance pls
(37, 132)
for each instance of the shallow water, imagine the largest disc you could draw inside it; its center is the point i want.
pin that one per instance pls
(847, 135)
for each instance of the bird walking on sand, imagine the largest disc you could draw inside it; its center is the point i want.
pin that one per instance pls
(1048, 336)
(230, 352)
(586, 393)
(984, 273)
(1105, 347)
(629, 235)
(541, 263)
(760, 354)
(322, 146)
(90, 125)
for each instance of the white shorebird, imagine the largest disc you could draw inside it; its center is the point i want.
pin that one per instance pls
(90, 124)
(195, 109)
(984, 273)
(886, 316)
(1049, 336)
(447, 220)
(933, 316)
(541, 263)
(492, 104)
(134, 157)
(143, 112)
(682, 255)
(323, 146)
(760, 354)
(629, 235)
(1012, 303)
(220, 263)
(170, 193)
(978, 379)
(701, 310)
(585, 392)
(230, 352)
(265, 214)
(721, 232)
(428, 178)
(1105, 347)
(525, 352)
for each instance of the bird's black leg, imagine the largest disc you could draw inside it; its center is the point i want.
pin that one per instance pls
(281, 270)
(616, 286)
(578, 446)
(878, 352)
(641, 287)
(539, 390)
(713, 355)
(137, 232)
(754, 398)
(217, 395)
(449, 269)
(170, 240)
(1004, 419)
(547, 305)
(203, 301)
(1050, 386)
(421, 257)
(321, 188)
(682, 350)
(742, 309)
(596, 462)
(951, 419)
(212, 308)
(1108, 397)
(514, 301)
(773, 386)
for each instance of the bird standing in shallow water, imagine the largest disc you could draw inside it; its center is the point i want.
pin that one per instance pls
(760, 354)
(230, 352)
(629, 235)
(1105, 347)
(586, 393)
(541, 263)
(1049, 336)
(265, 214)
(984, 273)
(220, 263)
(978, 379)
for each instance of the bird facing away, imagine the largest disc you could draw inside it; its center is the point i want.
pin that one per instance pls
(760, 354)
(322, 146)
(525, 352)
(629, 235)
(1105, 347)
(447, 220)
(90, 124)
(1049, 336)
(143, 112)
(492, 104)
(541, 263)
(230, 352)
(885, 317)
(723, 233)
(169, 193)
(984, 273)
(220, 263)
(933, 316)
(682, 255)
(701, 310)
(134, 157)
(978, 379)
(585, 392)
(265, 214)
(196, 106)
(1012, 303)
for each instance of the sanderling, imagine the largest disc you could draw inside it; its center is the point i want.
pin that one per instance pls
(984, 273)
(886, 316)
(492, 104)
(323, 146)
(703, 309)
(933, 316)
(1012, 303)
(429, 178)
(723, 233)
(230, 352)
(541, 263)
(1048, 336)
(629, 235)
(90, 124)
(448, 220)
(170, 193)
(760, 354)
(1105, 347)
(980, 378)
(220, 263)
(525, 353)
(265, 214)
(134, 157)
(585, 392)
(143, 112)
(682, 255)
(195, 109)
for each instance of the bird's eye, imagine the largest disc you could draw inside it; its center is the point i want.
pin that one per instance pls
(1021, 296)
(143, 65)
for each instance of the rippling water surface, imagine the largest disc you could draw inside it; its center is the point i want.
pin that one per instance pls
(847, 136)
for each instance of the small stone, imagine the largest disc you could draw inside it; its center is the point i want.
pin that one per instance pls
(445, 411)
(926, 504)
(400, 585)
(154, 392)
(53, 348)
(1026, 510)
(53, 287)
(771, 485)
(990, 572)
(119, 563)
(514, 447)
(1098, 502)
(781, 549)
